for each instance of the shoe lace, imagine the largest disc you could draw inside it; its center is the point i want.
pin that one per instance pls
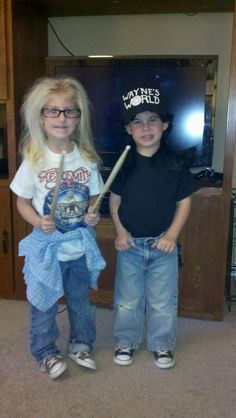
(51, 361)
(82, 354)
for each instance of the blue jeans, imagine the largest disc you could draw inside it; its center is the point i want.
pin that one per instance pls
(146, 282)
(43, 327)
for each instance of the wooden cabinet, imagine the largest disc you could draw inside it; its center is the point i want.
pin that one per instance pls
(105, 237)
(23, 48)
(202, 276)
(29, 49)
(3, 52)
(6, 248)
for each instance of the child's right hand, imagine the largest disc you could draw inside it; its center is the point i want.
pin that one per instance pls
(166, 243)
(47, 225)
(123, 241)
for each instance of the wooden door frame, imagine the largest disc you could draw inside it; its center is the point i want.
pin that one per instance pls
(230, 140)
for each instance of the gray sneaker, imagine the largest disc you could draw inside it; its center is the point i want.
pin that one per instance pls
(123, 356)
(54, 366)
(83, 358)
(164, 359)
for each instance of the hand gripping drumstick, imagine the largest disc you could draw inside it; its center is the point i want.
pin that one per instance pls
(57, 186)
(111, 177)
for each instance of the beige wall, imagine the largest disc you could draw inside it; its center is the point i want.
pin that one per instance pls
(168, 34)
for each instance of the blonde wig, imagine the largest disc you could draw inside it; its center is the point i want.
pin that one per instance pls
(33, 137)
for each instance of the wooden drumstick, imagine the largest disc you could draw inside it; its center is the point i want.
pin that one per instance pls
(110, 179)
(57, 186)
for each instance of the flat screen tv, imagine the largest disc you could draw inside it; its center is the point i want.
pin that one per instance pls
(188, 82)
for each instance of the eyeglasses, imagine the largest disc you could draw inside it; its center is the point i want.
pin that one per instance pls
(51, 112)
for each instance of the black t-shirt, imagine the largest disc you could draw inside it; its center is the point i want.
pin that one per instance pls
(149, 194)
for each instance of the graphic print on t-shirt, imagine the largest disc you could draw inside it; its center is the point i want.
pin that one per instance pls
(72, 201)
(71, 206)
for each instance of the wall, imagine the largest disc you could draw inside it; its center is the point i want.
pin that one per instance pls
(166, 34)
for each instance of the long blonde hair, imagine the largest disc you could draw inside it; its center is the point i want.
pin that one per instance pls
(33, 138)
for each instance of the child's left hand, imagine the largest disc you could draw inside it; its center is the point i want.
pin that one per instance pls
(91, 218)
(166, 244)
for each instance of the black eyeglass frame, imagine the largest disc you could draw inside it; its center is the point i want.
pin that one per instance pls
(58, 112)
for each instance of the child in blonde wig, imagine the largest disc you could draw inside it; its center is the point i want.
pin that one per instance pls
(61, 254)
(34, 137)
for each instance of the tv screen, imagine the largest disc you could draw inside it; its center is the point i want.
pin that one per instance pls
(189, 83)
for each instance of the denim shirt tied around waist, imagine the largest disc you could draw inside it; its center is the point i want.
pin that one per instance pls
(42, 271)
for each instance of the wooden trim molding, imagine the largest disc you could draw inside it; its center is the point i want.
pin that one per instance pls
(231, 116)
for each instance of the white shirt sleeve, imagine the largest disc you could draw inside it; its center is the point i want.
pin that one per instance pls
(96, 182)
(23, 184)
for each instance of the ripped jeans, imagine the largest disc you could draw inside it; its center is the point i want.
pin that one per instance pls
(146, 284)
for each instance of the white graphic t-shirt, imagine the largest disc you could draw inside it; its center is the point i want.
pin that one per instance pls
(80, 180)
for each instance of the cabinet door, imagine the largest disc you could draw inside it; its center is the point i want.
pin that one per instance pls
(3, 61)
(202, 276)
(6, 253)
(105, 237)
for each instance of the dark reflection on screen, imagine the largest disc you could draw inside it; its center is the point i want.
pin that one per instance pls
(188, 83)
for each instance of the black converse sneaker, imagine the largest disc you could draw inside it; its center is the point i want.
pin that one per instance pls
(164, 359)
(83, 358)
(123, 356)
(54, 366)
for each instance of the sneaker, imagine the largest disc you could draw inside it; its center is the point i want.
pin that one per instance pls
(83, 358)
(54, 366)
(123, 356)
(164, 359)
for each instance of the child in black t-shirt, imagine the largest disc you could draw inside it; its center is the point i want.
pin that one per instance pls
(149, 203)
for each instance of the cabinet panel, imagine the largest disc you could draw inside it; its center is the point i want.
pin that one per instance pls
(3, 142)
(3, 57)
(6, 253)
(202, 276)
(21, 229)
(105, 238)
